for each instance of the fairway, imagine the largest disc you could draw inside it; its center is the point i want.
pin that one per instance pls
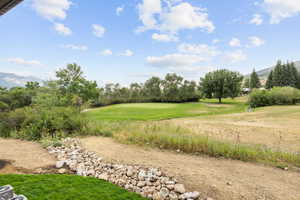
(65, 187)
(161, 111)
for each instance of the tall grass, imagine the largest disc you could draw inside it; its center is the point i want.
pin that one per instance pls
(167, 136)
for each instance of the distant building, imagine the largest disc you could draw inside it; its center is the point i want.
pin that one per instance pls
(6, 5)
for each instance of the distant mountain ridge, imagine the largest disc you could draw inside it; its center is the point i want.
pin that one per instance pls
(263, 74)
(12, 80)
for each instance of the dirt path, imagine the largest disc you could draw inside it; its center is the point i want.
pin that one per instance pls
(18, 156)
(220, 179)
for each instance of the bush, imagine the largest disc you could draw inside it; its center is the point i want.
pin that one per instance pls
(275, 96)
(35, 123)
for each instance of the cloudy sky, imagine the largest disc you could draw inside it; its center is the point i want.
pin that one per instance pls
(131, 40)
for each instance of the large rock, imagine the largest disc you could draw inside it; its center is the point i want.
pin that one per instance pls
(179, 188)
(60, 164)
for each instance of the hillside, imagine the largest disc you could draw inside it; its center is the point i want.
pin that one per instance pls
(263, 74)
(12, 80)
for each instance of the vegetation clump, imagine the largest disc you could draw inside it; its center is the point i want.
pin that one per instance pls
(274, 96)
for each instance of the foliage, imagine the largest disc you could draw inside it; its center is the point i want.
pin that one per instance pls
(35, 123)
(172, 89)
(246, 83)
(284, 75)
(221, 84)
(269, 83)
(254, 80)
(74, 86)
(66, 187)
(275, 96)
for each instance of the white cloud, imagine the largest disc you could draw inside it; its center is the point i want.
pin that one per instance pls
(127, 53)
(21, 61)
(52, 9)
(173, 17)
(62, 29)
(235, 42)
(185, 16)
(255, 41)
(106, 52)
(215, 41)
(256, 19)
(74, 47)
(281, 9)
(198, 49)
(164, 37)
(98, 30)
(119, 10)
(174, 60)
(147, 11)
(235, 56)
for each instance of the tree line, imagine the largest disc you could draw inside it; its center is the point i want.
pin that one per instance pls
(171, 89)
(283, 75)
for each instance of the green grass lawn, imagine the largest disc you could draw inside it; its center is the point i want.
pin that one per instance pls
(160, 111)
(65, 187)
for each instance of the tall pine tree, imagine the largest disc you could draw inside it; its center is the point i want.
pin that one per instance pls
(254, 80)
(269, 83)
(278, 80)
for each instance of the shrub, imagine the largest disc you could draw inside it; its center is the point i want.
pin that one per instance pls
(275, 96)
(35, 123)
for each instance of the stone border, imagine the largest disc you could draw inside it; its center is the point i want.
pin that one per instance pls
(151, 183)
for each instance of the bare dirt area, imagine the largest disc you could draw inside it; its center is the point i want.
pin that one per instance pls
(18, 156)
(218, 178)
(277, 127)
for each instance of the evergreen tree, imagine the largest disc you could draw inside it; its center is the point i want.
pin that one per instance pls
(269, 83)
(293, 76)
(254, 80)
(298, 80)
(278, 77)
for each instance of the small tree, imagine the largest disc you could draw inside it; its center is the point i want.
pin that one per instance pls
(254, 80)
(221, 84)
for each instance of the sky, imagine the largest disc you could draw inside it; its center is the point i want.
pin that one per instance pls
(128, 41)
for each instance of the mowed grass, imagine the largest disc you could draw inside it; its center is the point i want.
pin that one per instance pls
(161, 111)
(65, 187)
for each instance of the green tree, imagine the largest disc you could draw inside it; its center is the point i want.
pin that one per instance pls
(254, 80)
(278, 75)
(152, 89)
(171, 87)
(73, 84)
(269, 83)
(221, 84)
(246, 83)
(298, 81)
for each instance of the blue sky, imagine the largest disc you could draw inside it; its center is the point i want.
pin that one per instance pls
(130, 40)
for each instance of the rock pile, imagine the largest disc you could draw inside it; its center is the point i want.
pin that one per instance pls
(7, 193)
(151, 183)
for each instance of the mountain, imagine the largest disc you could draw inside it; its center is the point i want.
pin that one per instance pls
(263, 74)
(12, 80)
